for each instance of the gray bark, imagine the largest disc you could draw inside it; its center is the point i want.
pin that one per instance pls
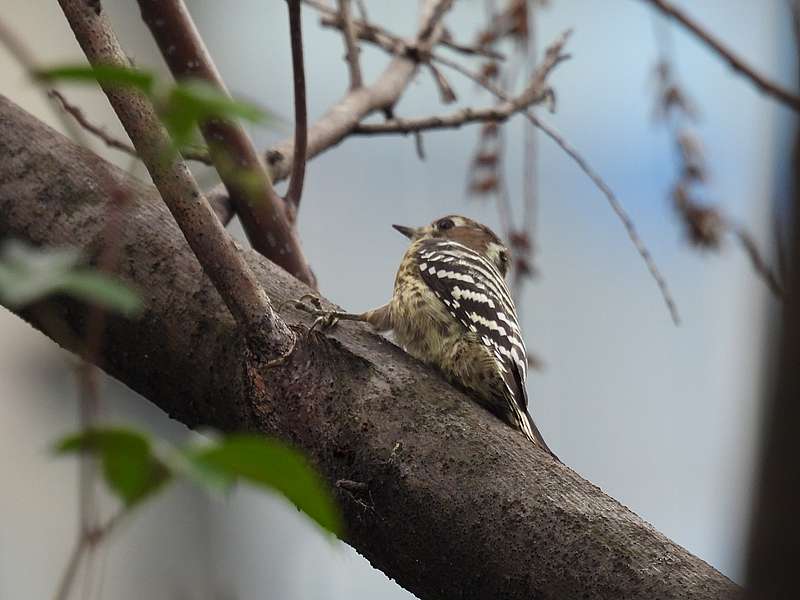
(457, 504)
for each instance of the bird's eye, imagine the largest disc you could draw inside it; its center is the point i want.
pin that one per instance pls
(444, 224)
(503, 257)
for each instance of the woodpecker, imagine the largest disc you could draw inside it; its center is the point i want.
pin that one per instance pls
(451, 308)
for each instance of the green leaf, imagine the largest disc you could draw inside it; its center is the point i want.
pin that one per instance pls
(130, 468)
(187, 464)
(102, 74)
(28, 274)
(192, 102)
(101, 289)
(270, 464)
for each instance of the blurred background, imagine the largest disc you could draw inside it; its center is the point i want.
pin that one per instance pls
(665, 419)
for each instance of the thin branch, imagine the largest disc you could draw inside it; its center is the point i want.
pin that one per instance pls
(367, 32)
(95, 130)
(76, 113)
(351, 45)
(295, 191)
(446, 93)
(469, 50)
(618, 209)
(87, 541)
(209, 241)
(534, 92)
(787, 97)
(262, 212)
(419, 145)
(433, 18)
(760, 266)
(362, 10)
(394, 44)
(454, 120)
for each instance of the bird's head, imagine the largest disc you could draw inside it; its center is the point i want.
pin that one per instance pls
(465, 231)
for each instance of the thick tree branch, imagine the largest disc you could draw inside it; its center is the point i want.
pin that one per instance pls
(209, 241)
(787, 97)
(261, 210)
(457, 504)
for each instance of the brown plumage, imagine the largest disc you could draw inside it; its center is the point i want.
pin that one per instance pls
(451, 309)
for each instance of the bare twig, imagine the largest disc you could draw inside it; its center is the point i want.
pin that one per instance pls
(446, 93)
(295, 191)
(418, 144)
(618, 209)
(475, 50)
(367, 31)
(787, 97)
(209, 241)
(760, 266)
(362, 10)
(76, 113)
(85, 542)
(432, 16)
(534, 92)
(262, 212)
(95, 130)
(351, 45)
(394, 44)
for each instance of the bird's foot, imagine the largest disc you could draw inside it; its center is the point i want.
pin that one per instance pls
(312, 305)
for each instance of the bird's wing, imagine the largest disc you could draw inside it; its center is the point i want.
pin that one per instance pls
(475, 293)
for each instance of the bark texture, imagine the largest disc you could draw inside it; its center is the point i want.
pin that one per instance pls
(457, 505)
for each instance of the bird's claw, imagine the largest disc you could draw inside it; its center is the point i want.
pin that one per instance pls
(312, 305)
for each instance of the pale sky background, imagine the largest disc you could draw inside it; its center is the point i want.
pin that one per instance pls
(664, 419)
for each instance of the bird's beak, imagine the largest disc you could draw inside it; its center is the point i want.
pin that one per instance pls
(409, 232)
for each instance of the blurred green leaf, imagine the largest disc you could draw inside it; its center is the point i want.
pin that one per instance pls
(185, 462)
(135, 467)
(101, 289)
(28, 274)
(130, 468)
(103, 74)
(192, 102)
(181, 106)
(270, 464)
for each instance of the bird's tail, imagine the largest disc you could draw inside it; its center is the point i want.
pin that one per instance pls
(528, 427)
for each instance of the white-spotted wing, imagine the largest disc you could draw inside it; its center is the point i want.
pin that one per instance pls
(475, 293)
